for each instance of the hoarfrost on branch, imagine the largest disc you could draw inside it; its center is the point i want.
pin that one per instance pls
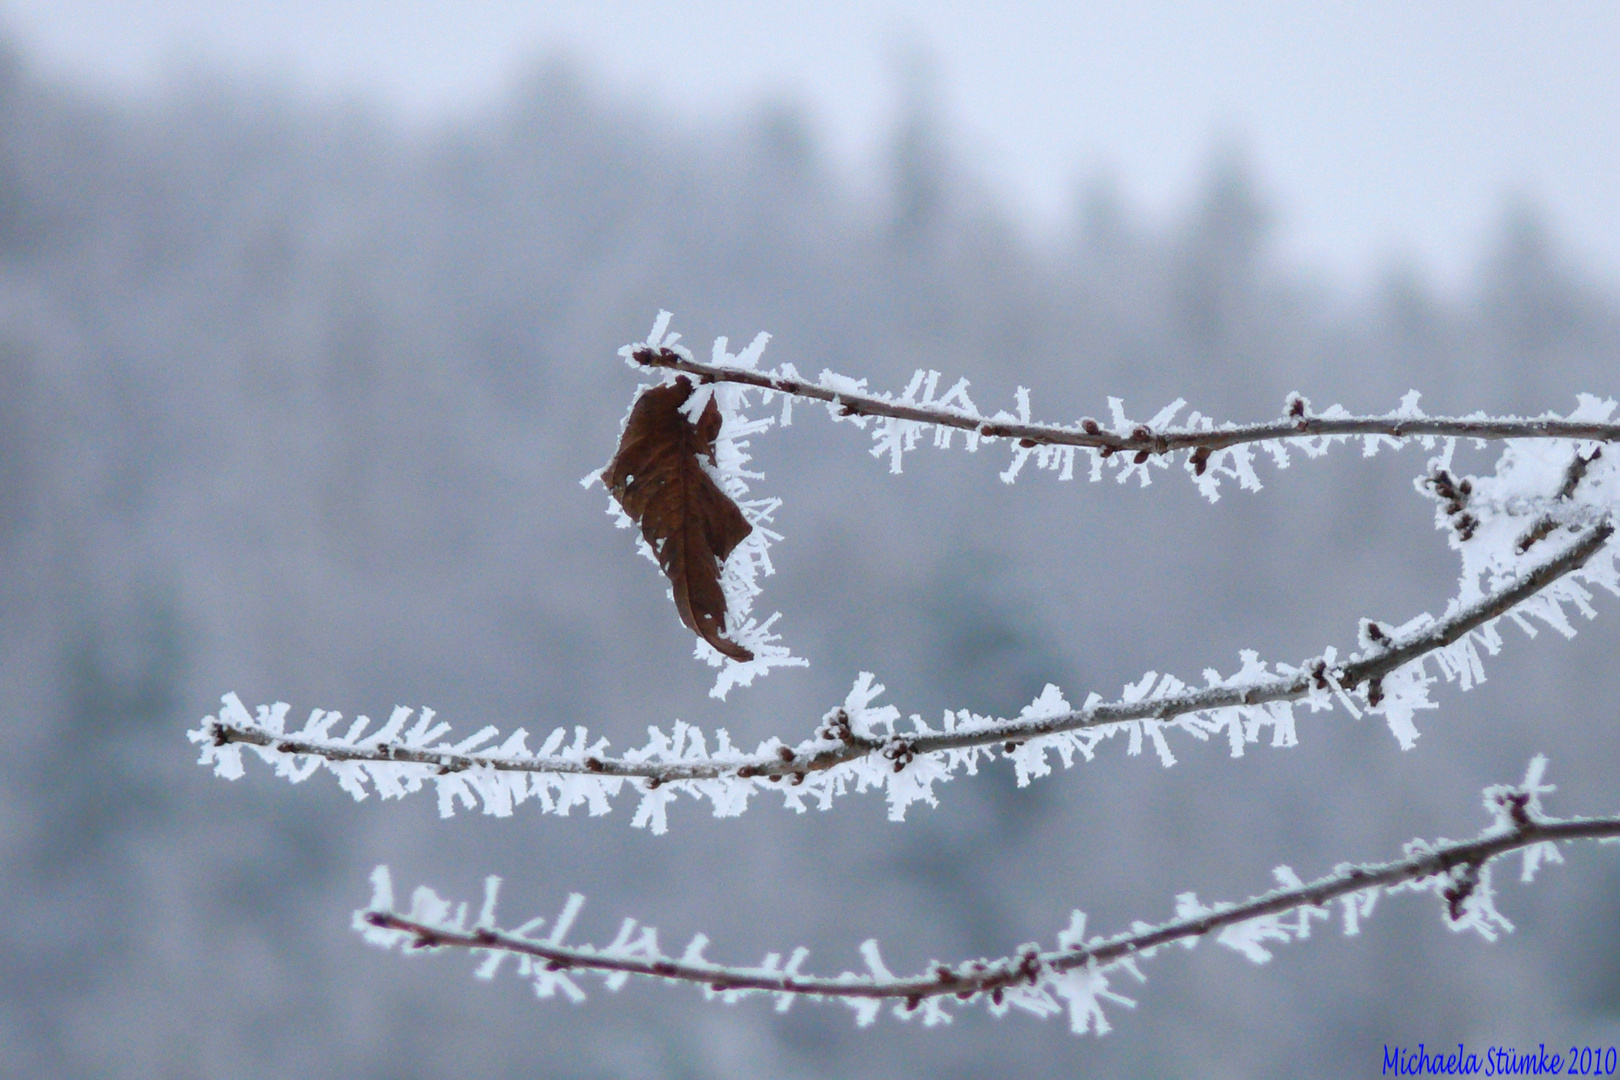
(1535, 544)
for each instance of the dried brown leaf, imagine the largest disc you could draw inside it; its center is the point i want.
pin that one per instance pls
(691, 525)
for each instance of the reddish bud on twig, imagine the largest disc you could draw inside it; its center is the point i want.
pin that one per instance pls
(1458, 892)
(1518, 807)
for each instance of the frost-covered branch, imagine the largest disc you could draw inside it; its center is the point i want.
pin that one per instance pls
(1214, 451)
(1078, 971)
(1545, 474)
(859, 747)
(1139, 438)
(1535, 539)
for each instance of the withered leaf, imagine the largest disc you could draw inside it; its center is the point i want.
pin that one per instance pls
(690, 523)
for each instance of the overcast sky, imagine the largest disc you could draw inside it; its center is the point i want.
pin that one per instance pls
(1381, 130)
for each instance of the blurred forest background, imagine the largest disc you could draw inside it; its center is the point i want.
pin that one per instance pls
(294, 402)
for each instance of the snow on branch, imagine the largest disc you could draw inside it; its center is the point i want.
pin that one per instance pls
(1214, 451)
(861, 747)
(1077, 977)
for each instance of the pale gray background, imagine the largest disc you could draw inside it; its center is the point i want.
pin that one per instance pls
(1382, 129)
(307, 332)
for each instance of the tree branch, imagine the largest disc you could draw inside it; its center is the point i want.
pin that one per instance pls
(1369, 668)
(787, 762)
(1458, 867)
(405, 760)
(1142, 440)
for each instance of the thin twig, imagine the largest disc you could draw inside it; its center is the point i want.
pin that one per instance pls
(1089, 433)
(1573, 475)
(966, 980)
(835, 744)
(1368, 669)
